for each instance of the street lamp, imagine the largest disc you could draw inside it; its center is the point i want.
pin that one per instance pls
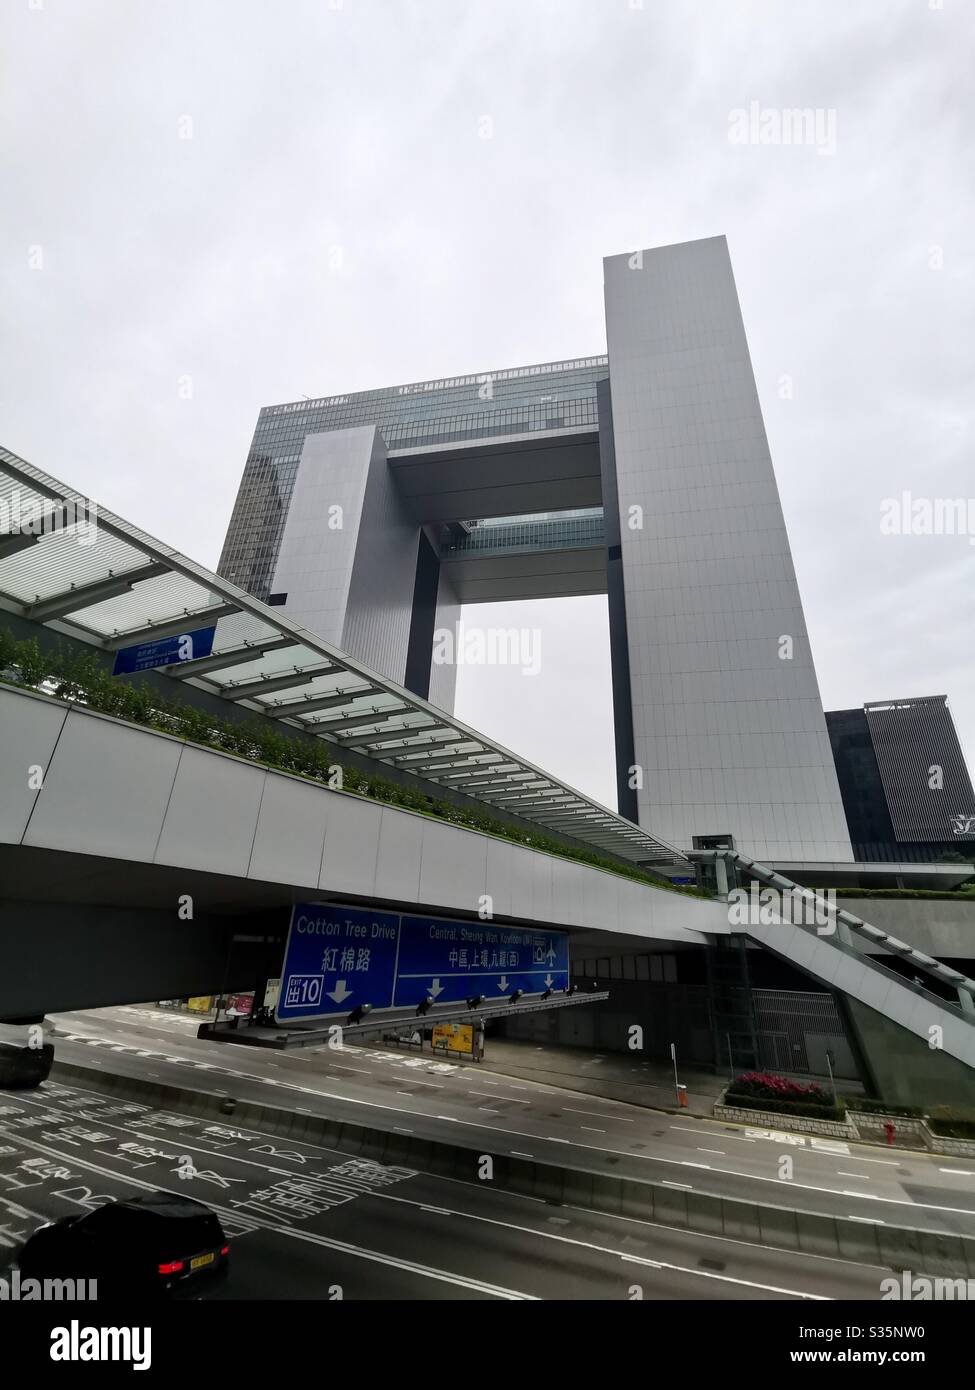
(518, 994)
(358, 1013)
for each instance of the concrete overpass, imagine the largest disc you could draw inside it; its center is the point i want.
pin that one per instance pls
(133, 828)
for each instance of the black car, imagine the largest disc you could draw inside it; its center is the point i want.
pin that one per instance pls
(145, 1246)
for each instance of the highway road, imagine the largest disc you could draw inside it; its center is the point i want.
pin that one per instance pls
(451, 1101)
(308, 1222)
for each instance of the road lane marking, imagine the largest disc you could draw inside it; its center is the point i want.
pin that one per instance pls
(310, 1237)
(599, 1148)
(599, 1114)
(592, 1129)
(687, 1129)
(51, 1101)
(721, 1153)
(623, 1255)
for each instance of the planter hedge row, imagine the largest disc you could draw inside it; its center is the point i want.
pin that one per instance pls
(800, 1109)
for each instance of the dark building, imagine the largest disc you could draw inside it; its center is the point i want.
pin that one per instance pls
(906, 789)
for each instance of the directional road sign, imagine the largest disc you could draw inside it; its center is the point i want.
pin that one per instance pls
(166, 651)
(338, 957)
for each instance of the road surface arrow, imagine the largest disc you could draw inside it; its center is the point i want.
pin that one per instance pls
(339, 992)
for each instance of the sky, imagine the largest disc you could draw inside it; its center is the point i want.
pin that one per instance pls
(214, 205)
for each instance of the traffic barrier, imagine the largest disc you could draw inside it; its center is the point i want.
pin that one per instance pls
(929, 1252)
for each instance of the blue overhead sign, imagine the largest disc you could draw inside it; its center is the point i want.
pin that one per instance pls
(186, 646)
(339, 957)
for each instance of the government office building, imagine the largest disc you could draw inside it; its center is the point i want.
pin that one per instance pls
(643, 473)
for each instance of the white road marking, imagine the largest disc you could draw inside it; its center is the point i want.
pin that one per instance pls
(720, 1152)
(312, 1238)
(592, 1129)
(650, 1158)
(862, 1176)
(599, 1114)
(688, 1129)
(957, 1172)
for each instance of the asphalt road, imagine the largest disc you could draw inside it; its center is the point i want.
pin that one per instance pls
(451, 1101)
(308, 1222)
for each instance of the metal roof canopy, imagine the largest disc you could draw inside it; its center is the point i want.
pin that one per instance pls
(107, 583)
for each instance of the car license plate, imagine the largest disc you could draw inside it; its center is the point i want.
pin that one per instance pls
(201, 1261)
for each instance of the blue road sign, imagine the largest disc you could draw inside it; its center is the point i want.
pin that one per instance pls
(449, 960)
(164, 652)
(337, 957)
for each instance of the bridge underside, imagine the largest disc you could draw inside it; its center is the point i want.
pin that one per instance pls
(546, 471)
(542, 574)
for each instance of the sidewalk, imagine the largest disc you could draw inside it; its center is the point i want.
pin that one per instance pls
(608, 1074)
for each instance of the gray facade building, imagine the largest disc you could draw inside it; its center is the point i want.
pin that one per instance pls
(905, 785)
(643, 474)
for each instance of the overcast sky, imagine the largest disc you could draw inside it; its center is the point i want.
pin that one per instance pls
(212, 205)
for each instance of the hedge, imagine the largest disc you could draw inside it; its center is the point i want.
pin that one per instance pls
(870, 1106)
(82, 679)
(800, 1109)
(964, 890)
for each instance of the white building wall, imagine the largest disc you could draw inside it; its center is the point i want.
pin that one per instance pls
(731, 737)
(443, 675)
(350, 583)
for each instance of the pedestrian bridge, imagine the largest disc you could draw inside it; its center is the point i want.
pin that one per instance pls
(99, 817)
